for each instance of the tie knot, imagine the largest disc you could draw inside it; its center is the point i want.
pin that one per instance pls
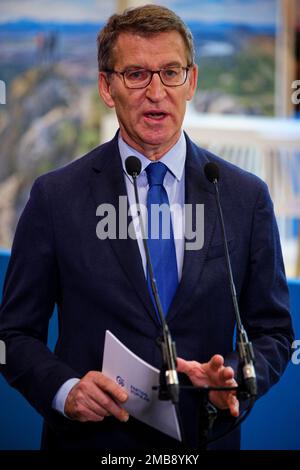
(156, 173)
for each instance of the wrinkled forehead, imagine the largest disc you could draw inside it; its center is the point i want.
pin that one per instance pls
(155, 50)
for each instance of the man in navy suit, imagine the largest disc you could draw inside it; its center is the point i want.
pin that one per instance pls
(147, 74)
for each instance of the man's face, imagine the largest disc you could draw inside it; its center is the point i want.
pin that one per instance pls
(152, 135)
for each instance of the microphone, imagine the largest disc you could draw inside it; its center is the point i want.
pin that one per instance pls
(245, 348)
(169, 377)
(133, 166)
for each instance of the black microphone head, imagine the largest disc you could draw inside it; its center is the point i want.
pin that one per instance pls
(133, 166)
(211, 171)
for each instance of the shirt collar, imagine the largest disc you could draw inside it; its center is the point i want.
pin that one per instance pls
(174, 159)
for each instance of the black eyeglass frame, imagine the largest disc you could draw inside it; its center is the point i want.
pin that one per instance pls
(187, 68)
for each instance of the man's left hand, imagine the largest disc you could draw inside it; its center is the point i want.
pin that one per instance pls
(214, 374)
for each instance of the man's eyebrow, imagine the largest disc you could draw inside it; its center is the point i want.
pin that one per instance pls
(163, 66)
(133, 66)
(172, 64)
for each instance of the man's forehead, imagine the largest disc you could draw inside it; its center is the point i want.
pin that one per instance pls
(132, 48)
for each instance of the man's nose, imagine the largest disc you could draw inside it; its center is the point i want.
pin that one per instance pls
(156, 90)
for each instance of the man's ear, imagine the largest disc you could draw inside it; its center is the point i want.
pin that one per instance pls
(193, 78)
(104, 88)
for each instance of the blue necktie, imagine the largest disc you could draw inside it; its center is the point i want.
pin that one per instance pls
(160, 241)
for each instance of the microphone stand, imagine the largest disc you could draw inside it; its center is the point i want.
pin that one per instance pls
(245, 348)
(169, 386)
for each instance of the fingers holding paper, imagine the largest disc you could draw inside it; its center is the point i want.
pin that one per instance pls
(95, 397)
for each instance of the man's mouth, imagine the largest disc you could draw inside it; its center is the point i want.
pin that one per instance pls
(156, 115)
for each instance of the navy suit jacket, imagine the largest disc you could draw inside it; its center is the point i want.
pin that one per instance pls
(99, 285)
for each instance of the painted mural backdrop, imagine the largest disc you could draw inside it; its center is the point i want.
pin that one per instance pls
(48, 63)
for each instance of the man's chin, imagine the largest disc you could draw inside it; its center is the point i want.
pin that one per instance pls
(156, 139)
(146, 141)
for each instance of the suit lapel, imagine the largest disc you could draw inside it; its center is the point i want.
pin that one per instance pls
(107, 184)
(197, 191)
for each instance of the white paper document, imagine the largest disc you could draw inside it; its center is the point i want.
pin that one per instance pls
(138, 377)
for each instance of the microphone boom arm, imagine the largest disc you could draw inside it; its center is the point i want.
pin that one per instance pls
(245, 347)
(169, 379)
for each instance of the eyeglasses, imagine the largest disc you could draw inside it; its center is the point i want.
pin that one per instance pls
(141, 78)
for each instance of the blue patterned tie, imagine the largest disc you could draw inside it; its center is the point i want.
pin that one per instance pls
(160, 241)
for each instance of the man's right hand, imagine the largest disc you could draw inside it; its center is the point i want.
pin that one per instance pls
(94, 397)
